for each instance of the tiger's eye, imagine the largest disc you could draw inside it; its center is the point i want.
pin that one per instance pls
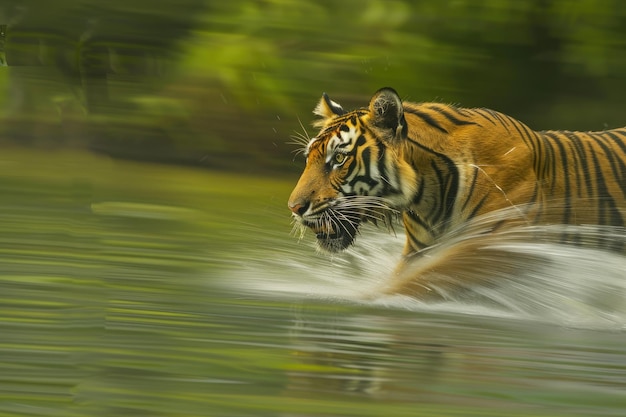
(339, 158)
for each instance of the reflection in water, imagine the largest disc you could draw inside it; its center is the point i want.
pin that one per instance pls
(444, 359)
(357, 355)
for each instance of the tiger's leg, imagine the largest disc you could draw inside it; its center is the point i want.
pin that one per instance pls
(447, 271)
(414, 276)
(410, 276)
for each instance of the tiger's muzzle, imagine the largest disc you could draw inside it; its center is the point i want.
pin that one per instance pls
(335, 230)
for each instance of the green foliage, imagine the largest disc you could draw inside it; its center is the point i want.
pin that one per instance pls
(243, 73)
(520, 57)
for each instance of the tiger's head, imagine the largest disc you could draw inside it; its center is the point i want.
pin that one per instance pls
(354, 171)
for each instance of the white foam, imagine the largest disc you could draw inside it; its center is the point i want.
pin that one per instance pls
(552, 281)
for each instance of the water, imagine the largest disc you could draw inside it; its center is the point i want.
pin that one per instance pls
(146, 290)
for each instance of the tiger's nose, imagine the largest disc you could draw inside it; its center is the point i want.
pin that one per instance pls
(298, 207)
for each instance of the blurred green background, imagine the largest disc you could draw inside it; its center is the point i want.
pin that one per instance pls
(224, 84)
(146, 265)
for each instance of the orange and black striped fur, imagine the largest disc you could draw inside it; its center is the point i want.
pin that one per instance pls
(441, 166)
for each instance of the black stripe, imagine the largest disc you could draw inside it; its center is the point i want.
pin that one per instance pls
(367, 176)
(471, 189)
(425, 117)
(603, 197)
(461, 111)
(498, 117)
(480, 112)
(417, 198)
(416, 243)
(450, 117)
(533, 141)
(448, 189)
(575, 157)
(580, 149)
(340, 122)
(620, 131)
(477, 207)
(619, 142)
(567, 209)
(622, 180)
(614, 161)
(524, 135)
(448, 184)
(416, 219)
(550, 163)
(382, 170)
(442, 191)
(453, 187)
(336, 184)
(538, 149)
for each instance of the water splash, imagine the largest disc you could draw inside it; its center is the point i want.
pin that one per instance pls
(526, 272)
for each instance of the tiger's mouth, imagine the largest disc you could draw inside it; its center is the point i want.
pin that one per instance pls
(335, 234)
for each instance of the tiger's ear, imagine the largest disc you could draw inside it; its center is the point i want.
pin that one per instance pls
(326, 109)
(387, 115)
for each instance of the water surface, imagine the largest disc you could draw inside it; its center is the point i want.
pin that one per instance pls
(146, 290)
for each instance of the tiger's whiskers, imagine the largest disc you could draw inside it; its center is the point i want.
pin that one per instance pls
(300, 139)
(297, 229)
(374, 209)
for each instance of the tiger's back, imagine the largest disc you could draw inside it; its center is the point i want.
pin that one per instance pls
(496, 161)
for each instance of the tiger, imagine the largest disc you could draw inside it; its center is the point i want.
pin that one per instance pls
(439, 167)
